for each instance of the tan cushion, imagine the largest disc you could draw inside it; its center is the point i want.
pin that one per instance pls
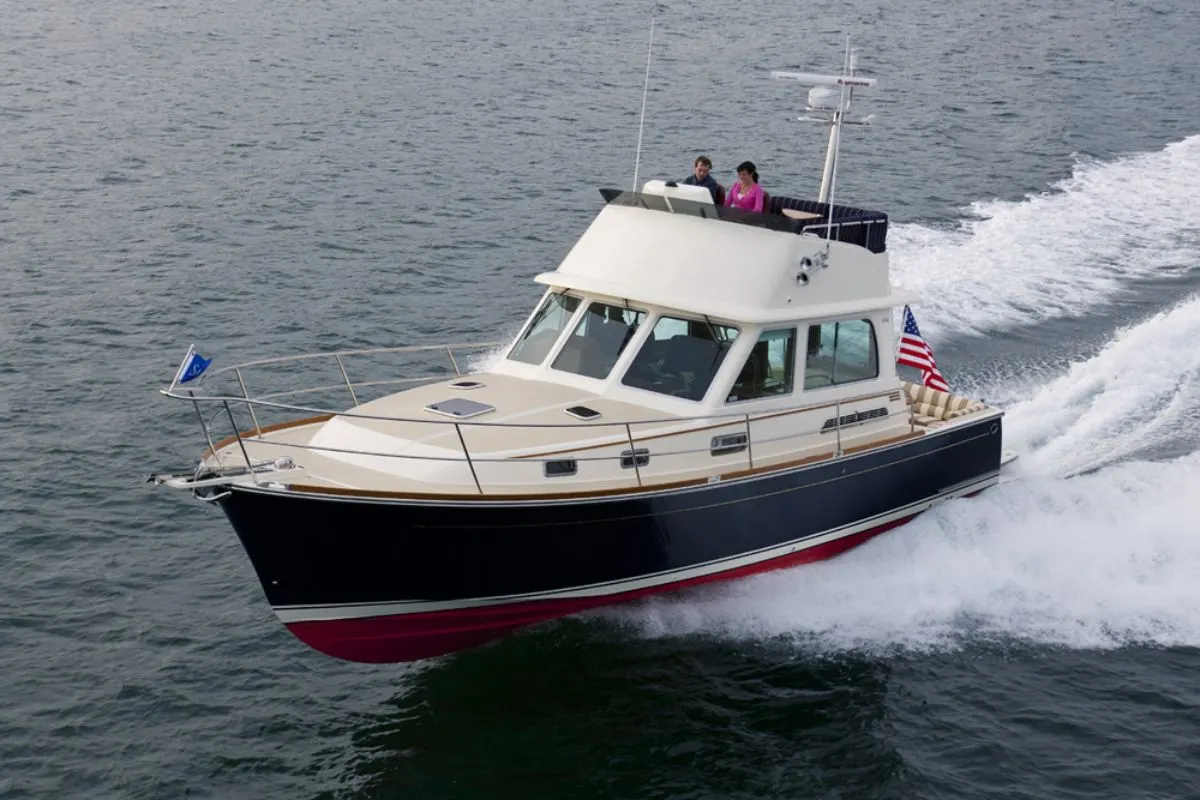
(930, 402)
(970, 408)
(927, 410)
(957, 403)
(927, 396)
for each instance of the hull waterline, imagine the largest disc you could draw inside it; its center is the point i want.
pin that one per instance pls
(411, 637)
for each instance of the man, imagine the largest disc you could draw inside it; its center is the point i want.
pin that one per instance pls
(700, 177)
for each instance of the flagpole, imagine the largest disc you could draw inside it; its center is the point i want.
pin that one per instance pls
(182, 366)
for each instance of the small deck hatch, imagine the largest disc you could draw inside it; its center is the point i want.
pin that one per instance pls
(467, 385)
(459, 408)
(582, 412)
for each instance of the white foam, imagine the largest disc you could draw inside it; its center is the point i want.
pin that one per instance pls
(486, 360)
(1140, 392)
(1058, 253)
(1097, 561)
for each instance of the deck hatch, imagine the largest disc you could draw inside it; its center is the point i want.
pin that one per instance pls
(459, 408)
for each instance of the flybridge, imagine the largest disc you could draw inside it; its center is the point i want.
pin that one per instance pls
(838, 223)
(829, 101)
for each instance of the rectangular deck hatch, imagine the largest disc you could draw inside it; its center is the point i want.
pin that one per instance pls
(459, 408)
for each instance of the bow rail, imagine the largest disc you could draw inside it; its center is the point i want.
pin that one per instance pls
(280, 401)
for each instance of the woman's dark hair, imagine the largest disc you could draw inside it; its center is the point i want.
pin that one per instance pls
(748, 166)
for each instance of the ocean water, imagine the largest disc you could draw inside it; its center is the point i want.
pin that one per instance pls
(264, 179)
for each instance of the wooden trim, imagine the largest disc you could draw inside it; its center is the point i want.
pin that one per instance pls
(381, 493)
(742, 473)
(740, 421)
(657, 487)
(279, 426)
(885, 442)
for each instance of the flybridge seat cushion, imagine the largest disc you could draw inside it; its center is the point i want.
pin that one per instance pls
(851, 225)
(931, 407)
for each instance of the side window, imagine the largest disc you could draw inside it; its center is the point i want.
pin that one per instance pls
(598, 340)
(769, 370)
(544, 329)
(840, 352)
(680, 357)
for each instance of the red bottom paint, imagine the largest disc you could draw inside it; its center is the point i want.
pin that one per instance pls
(410, 637)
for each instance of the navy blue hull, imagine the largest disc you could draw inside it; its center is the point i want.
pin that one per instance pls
(315, 549)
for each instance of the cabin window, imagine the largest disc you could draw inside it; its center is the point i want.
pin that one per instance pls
(544, 329)
(598, 340)
(681, 357)
(840, 352)
(770, 369)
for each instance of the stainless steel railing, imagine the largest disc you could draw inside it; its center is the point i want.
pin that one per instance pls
(623, 428)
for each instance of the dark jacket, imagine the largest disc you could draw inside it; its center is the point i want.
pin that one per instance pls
(709, 183)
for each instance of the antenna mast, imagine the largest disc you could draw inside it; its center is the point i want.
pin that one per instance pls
(645, 88)
(831, 96)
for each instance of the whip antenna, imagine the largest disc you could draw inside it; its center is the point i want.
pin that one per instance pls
(645, 88)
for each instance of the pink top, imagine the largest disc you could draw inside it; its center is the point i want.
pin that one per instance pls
(752, 200)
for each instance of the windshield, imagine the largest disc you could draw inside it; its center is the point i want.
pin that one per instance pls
(544, 329)
(598, 340)
(681, 357)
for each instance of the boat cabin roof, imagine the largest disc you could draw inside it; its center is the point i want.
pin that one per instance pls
(666, 248)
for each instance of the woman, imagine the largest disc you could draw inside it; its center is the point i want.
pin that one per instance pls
(746, 194)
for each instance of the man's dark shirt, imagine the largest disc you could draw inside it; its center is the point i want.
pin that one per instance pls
(708, 183)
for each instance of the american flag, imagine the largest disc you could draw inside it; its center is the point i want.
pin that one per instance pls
(915, 352)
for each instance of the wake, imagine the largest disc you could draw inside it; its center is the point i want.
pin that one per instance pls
(1059, 253)
(1094, 544)
(1101, 561)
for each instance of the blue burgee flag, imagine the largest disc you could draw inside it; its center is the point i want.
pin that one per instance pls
(193, 366)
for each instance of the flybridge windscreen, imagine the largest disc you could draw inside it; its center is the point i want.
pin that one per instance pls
(658, 202)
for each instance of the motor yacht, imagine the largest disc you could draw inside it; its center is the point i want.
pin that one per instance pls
(700, 394)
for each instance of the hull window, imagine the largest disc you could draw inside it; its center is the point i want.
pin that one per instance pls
(560, 469)
(544, 329)
(730, 443)
(635, 458)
